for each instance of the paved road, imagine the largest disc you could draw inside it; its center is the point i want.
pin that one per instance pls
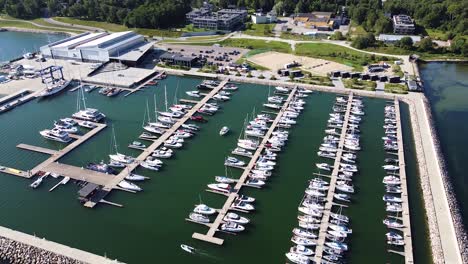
(79, 27)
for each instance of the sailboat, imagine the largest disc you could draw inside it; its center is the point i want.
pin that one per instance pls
(166, 113)
(118, 157)
(153, 127)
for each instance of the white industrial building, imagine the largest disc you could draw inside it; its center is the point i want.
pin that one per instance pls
(261, 18)
(127, 47)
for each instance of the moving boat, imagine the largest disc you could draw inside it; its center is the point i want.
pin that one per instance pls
(56, 135)
(204, 209)
(199, 218)
(129, 186)
(224, 131)
(189, 249)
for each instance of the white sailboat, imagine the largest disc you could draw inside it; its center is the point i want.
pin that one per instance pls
(118, 156)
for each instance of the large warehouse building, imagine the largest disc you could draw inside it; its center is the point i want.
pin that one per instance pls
(127, 47)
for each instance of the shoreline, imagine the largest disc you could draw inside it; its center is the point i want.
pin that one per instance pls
(39, 31)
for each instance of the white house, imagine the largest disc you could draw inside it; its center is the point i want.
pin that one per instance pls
(261, 18)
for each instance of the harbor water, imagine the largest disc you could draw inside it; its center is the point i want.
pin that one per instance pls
(446, 86)
(15, 44)
(152, 222)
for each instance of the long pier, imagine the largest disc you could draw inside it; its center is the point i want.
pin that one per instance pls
(404, 188)
(37, 149)
(209, 236)
(331, 191)
(158, 142)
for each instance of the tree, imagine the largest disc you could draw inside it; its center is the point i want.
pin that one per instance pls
(337, 36)
(362, 42)
(425, 44)
(383, 25)
(459, 45)
(405, 42)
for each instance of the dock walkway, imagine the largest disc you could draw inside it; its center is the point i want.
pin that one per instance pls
(331, 191)
(37, 149)
(158, 142)
(209, 236)
(406, 211)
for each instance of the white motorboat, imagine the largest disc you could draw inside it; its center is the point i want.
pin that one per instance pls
(297, 258)
(243, 206)
(247, 144)
(193, 94)
(392, 223)
(391, 167)
(189, 249)
(163, 153)
(116, 164)
(273, 106)
(392, 198)
(150, 166)
(308, 219)
(56, 135)
(224, 179)
(231, 161)
(233, 217)
(310, 211)
(338, 234)
(282, 89)
(393, 236)
(245, 198)
(135, 177)
(68, 121)
(303, 241)
(391, 180)
(340, 217)
(121, 158)
(65, 127)
(191, 127)
(87, 124)
(137, 145)
(232, 227)
(242, 152)
(304, 233)
(204, 209)
(89, 114)
(323, 166)
(129, 186)
(199, 218)
(302, 250)
(340, 228)
(220, 187)
(255, 182)
(337, 246)
(224, 131)
(172, 144)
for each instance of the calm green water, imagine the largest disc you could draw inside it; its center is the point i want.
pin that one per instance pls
(446, 86)
(15, 44)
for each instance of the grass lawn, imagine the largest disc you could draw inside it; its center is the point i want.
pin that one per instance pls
(26, 25)
(359, 84)
(436, 34)
(396, 88)
(336, 53)
(261, 30)
(255, 44)
(118, 28)
(433, 55)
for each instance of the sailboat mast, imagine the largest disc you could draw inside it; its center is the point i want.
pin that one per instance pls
(155, 109)
(115, 140)
(165, 96)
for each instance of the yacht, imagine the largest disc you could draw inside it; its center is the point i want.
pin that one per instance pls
(193, 94)
(224, 179)
(220, 187)
(89, 114)
(163, 153)
(148, 136)
(54, 89)
(116, 164)
(337, 246)
(323, 166)
(232, 227)
(242, 206)
(65, 127)
(235, 218)
(199, 218)
(302, 250)
(392, 223)
(245, 198)
(304, 233)
(204, 209)
(297, 258)
(303, 241)
(224, 131)
(242, 152)
(129, 186)
(121, 158)
(231, 161)
(150, 166)
(87, 124)
(56, 135)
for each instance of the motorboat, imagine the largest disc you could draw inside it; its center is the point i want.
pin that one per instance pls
(340, 217)
(204, 209)
(189, 249)
(337, 246)
(245, 198)
(345, 188)
(89, 114)
(198, 118)
(101, 167)
(302, 250)
(129, 186)
(303, 241)
(149, 136)
(242, 152)
(172, 144)
(255, 182)
(323, 166)
(121, 158)
(231, 161)
(220, 187)
(181, 133)
(342, 197)
(391, 180)
(135, 177)
(392, 198)
(191, 127)
(68, 121)
(337, 234)
(396, 242)
(220, 97)
(281, 89)
(89, 88)
(224, 131)
(166, 119)
(392, 223)
(65, 127)
(224, 179)
(116, 164)
(199, 218)
(137, 145)
(56, 135)
(163, 153)
(393, 208)
(393, 236)
(243, 206)
(193, 93)
(391, 167)
(233, 217)
(313, 192)
(297, 258)
(308, 219)
(153, 129)
(232, 227)
(304, 233)
(340, 228)
(310, 211)
(273, 106)
(87, 124)
(247, 144)
(150, 166)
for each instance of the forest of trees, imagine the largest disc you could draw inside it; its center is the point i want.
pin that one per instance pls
(450, 16)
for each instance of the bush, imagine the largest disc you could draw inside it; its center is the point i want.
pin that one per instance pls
(238, 74)
(261, 76)
(273, 78)
(249, 75)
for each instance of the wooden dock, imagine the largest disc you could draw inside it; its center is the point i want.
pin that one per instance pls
(331, 191)
(37, 149)
(15, 172)
(143, 85)
(210, 235)
(188, 101)
(13, 96)
(109, 186)
(408, 248)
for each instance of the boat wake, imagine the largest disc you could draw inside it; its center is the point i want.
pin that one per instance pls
(204, 254)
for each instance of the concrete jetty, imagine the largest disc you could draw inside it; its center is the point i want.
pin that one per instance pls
(210, 235)
(158, 142)
(404, 195)
(37, 149)
(331, 191)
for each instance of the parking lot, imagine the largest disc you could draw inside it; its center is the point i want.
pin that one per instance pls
(215, 54)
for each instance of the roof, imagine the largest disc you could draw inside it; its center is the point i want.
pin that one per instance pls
(134, 53)
(75, 41)
(104, 39)
(175, 56)
(388, 37)
(87, 189)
